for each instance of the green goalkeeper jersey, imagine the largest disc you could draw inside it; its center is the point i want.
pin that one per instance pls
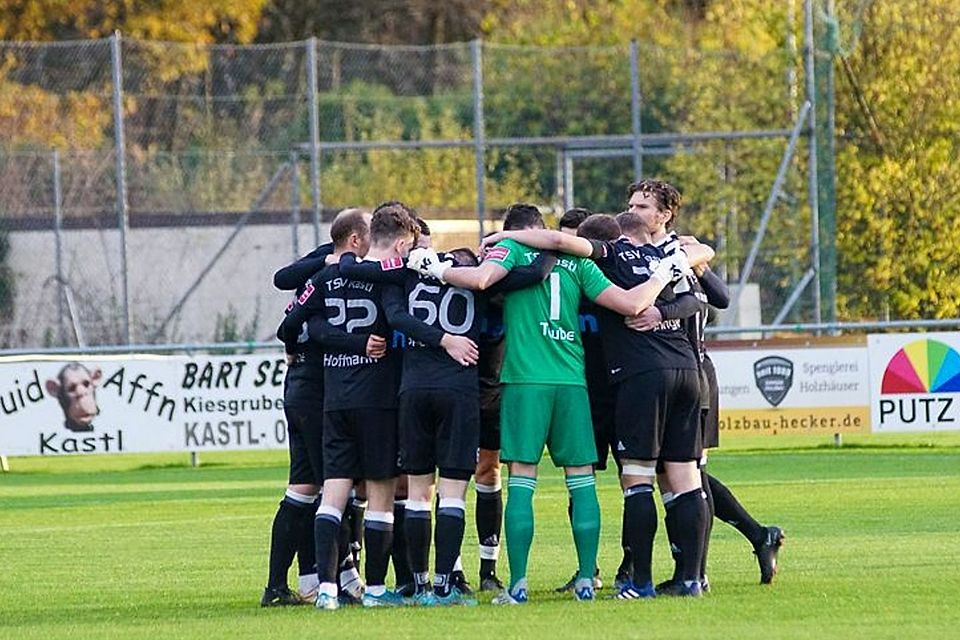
(542, 322)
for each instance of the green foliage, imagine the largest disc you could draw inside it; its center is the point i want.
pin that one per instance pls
(207, 128)
(228, 328)
(898, 180)
(172, 20)
(440, 179)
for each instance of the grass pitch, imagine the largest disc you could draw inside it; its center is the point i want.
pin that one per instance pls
(146, 547)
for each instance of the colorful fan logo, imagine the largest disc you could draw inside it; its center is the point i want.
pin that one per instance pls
(924, 366)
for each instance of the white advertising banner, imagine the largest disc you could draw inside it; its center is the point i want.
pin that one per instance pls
(141, 403)
(915, 381)
(816, 389)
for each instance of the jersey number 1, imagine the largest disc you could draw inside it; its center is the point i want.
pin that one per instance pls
(554, 296)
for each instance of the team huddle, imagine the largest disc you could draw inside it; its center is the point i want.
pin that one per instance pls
(411, 372)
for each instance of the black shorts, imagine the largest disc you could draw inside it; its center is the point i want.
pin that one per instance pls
(439, 429)
(305, 441)
(658, 416)
(603, 405)
(710, 419)
(360, 444)
(490, 418)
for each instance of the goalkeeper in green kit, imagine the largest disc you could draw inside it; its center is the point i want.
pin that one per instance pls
(544, 399)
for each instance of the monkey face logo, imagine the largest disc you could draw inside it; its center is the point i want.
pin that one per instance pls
(774, 377)
(75, 388)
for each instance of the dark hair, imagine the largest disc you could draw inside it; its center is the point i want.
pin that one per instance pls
(392, 221)
(573, 218)
(520, 215)
(630, 223)
(424, 227)
(599, 226)
(348, 222)
(464, 257)
(668, 197)
(398, 203)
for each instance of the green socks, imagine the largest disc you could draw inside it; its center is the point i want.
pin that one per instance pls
(518, 523)
(585, 522)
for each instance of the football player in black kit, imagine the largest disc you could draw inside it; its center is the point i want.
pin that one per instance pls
(292, 531)
(360, 416)
(438, 415)
(657, 407)
(657, 419)
(439, 410)
(665, 383)
(712, 292)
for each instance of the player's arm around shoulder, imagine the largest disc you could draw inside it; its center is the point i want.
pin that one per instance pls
(294, 276)
(389, 271)
(716, 290)
(497, 263)
(697, 253)
(630, 302)
(545, 240)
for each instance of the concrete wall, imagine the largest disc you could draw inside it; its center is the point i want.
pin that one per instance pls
(163, 262)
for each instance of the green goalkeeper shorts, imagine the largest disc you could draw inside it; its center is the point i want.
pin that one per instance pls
(555, 415)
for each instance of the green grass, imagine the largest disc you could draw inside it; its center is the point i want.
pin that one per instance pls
(145, 546)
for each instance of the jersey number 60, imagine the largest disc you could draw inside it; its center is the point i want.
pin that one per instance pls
(443, 313)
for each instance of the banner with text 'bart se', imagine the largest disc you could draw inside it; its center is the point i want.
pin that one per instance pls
(775, 391)
(141, 404)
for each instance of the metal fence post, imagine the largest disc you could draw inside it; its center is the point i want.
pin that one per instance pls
(479, 141)
(567, 180)
(58, 242)
(120, 152)
(635, 110)
(314, 135)
(776, 191)
(826, 166)
(295, 203)
(812, 192)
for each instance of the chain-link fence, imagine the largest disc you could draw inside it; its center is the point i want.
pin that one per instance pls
(234, 158)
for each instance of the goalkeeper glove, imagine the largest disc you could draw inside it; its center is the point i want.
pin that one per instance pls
(673, 267)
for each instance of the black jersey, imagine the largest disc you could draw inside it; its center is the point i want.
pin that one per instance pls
(307, 336)
(695, 324)
(294, 276)
(595, 363)
(666, 346)
(424, 309)
(491, 345)
(421, 309)
(303, 384)
(352, 380)
(709, 290)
